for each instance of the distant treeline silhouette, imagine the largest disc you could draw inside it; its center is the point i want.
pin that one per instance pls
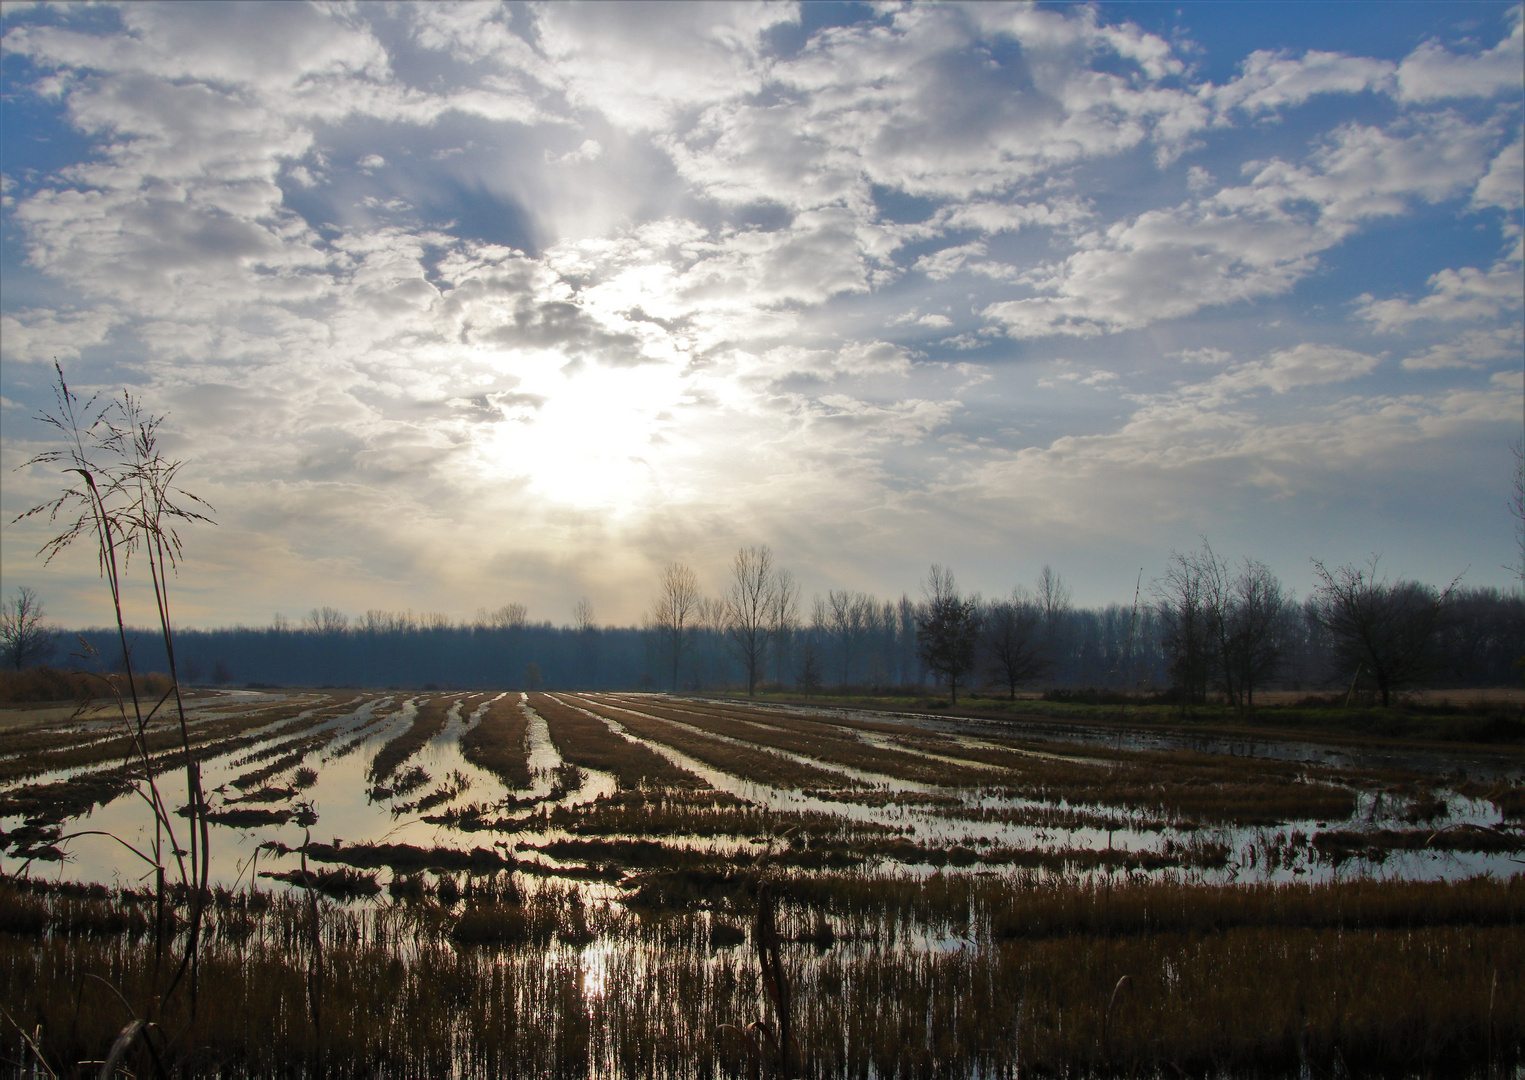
(853, 639)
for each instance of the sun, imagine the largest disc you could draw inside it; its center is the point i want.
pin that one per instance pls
(587, 436)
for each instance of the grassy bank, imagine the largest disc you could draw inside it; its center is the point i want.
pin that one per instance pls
(46, 684)
(1490, 723)
(492, 977)
(499, 742)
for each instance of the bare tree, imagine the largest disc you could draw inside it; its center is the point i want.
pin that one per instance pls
(748, 602)
(1185, 600)
(1256, 632)
(1054, 595)
(947, 630)
(783, 620)
(587, 638)
(24, 637)
(837, 622)
(882, 654)
(1216, 579)
(809, 677)
(907, 661)
(1387, 629)
(1053, 603)
(1517, 507)
(674, 614)
(1013, 639)
(849, 616)
(325, 620)
(507, 617)
(1222, 628)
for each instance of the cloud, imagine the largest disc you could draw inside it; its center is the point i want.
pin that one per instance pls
(854, 358)
(1472, 349)
(721, 285)
(40, 335)
(997, 217)
(941, 265)
(473, 33)
(1504, 183)
(512, 304)
(1305, 365)
(1246, 242)
(1204, 356)
(1097, 379)
(897, 104)
(1175, 445)
(641, 65)
(965, 342)
(217, 43)
(1271, 80)
(906, 422)
(573, 290)
(1462, 293)
(590, 150)
(1432, 72)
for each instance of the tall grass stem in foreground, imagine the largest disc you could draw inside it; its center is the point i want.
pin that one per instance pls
(126, 501)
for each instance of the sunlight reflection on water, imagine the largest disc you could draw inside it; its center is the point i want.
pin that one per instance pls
(346, 814)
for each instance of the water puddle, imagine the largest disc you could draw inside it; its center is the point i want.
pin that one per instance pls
(988, 822)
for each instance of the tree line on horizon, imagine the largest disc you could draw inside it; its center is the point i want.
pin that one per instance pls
(1204, 627)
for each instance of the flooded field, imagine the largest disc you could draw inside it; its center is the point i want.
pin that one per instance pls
(628, 884)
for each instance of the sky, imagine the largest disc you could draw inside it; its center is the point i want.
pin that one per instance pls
(449, 306)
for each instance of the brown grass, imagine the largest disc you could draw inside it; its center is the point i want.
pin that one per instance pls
(498, 743)
(217, 737)
(428, 722)
(39, 684)
(759, 766)
(1243, 1002)
(788, 721)
(482, 981)
(1202, 787)
(55, 802)
(287, 753)
(824, 743)
(1337, 845)
(587, 741)
(356, 736)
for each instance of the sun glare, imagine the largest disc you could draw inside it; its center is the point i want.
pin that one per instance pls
(594, 438)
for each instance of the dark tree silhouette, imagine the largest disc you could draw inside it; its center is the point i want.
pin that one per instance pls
(747, 607)
(809, 678)
(1389, 630)
(586, 628)
(947, 631)
(1015, 646)
(1184, 599)
(674, 615)
(24, 637)
(1253, 632)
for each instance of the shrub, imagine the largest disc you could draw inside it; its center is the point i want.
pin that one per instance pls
(41, 684)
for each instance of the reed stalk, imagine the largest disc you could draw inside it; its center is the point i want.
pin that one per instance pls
(126, 501)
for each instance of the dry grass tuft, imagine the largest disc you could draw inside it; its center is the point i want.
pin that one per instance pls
(588, 742)
(498, 743)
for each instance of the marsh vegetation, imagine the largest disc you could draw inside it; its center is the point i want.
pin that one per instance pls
(587, 884)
